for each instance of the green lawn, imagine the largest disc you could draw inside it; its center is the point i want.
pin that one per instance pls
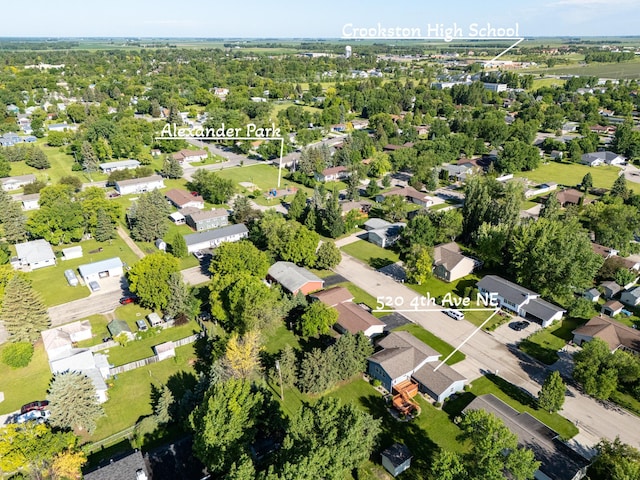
(434, 342)
(513, 396)
(279, 338)
(372, 255)
(139, 349)
(98, 331)
(130, 393)
(544, 344)
(435, 287)
(24, 385)
(571, 174)
(51, 283)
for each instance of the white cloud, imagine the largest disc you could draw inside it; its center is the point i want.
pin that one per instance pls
(593, 3)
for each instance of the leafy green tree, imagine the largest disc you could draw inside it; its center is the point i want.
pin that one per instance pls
(224, 424)
(289, 240)
(234, 259)
(288, 365)
(448, 224)
(551, 207)
(448, 466)
(23, 313)
(491, 242)
(418, 264)
(73, 402)
(615, 461)
(171, 168)
(325, 440)
(624, 276)
(553, 257)
(614, 224)
(587, 182)
(212, 187)
(490, 439)
(249, 304)
(5, 167)
(594, 371)
(419, 231)
(328, 256)
(17, 355)
(178, 246)
(72, 181)
(147, 217)
(298, 205)
(581, 308)
(243, 469)
(149, 279)
(551, 396)
(517, 156)
(394, 208)
(317, 319)
(242, 355)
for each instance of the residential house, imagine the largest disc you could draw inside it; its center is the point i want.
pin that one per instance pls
(213, 238)
(603, 130)
(182, 199)
(396, 459)
(615, 334)
(207, 219)
(338, 127)
(403, 357)
(459, 172)
(593, 295)
(117, 327)
(139, 185)
(9, 139)
(594, 159)
(34, 254)
(375, 224)
(352, 318)
(410, 194)
(610, 289)
(540, 189)
(495, 87)
(558, 461)
(119, 165)
(422, 130)
(92, 272)
(130, 467)
(570, 196)
(31, 201)
(449, 264)
(556, 154)
(362, 206)
(612, 308)
(190, 156)
(14, 183)
(294, 279)
(631, 297)
(394, 148)
(386, 236)
(61, 127)
(332, 174)
(359, 124)
(604, 252)
(522, 301)
(58, 342)
(221, 93)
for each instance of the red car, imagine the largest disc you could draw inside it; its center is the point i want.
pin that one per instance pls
(39, 405)
(127, 300)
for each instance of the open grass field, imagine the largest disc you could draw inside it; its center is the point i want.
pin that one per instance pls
(544, 344)
(547, 82)
(434, 342)
(51, 283)
(571, 174)
(24, 385)
(623, 70)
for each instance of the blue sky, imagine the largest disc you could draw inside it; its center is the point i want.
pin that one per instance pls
(296, 18)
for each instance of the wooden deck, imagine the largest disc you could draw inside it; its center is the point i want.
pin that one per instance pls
(403, 393)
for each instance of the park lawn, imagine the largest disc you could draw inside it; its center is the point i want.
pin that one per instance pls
(544, 344)
(130, 393)
(50, 282)
(24, 385)
(373, 255)
(139, 349)
(61, 164)
(571, 174)
(546, 82)
(434, 342)
(516, 398)
(622, 70)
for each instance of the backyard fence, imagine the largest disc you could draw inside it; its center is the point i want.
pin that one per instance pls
(104, 346)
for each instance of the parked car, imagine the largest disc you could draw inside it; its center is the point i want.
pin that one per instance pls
(71, 277)
(142, 325)
(39, 416)
(127, 300)
(198, 254)
(455, 314)
(521, 325)
(94, 286)
(39, 405)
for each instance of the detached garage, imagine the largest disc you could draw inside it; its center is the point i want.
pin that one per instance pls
(91, 272)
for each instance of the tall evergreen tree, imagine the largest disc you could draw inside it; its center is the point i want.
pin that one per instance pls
(587, 182)
(619, 188)
(73, 402)
(171, 168)
(162, 408)
(333, 222)
(23, 313)
(178, 295)
(298, 204)
(551, 396)
(147, 217)
(13, 220)
(551, 207)
(104, 226)
(88, 157)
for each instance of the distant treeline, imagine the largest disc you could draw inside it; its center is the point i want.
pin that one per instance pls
(6, 44)
(608, 57)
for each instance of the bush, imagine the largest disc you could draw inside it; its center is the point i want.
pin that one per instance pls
(376, 383)
(17, 355)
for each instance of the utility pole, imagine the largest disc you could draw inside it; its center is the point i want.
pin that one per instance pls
(280, 375)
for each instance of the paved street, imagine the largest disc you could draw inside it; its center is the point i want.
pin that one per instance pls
(99, 302)
(485, 353)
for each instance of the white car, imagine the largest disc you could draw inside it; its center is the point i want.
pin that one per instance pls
(39, 416)
(455, 314)
(198, 254)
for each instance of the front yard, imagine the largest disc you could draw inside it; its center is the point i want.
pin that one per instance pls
(544, 344)
(24, 385)
(434, 342)
(373, 255)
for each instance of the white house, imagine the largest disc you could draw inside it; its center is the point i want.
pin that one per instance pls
(112, 267)
(139, 185)
(31, 202)
(332, 174)
(522, 301)
(119, 165)
(58, 342)
(14, 183)
(35, 254)
(213, 238)
(594, 159)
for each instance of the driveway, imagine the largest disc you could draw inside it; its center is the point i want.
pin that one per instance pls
(487, 353)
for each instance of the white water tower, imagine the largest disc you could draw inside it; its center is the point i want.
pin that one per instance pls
(347, 51)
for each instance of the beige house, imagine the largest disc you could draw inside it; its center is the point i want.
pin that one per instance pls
(449, 264)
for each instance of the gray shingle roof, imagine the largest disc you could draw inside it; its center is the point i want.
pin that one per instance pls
(125, 468)
(402, 353)
(437, 381)
(218, 233)
(291, 276)
(509, 291)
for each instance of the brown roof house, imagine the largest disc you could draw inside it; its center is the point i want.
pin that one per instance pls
(571, 196)
(352, 318)
(294, 279)
(612, 308)
(182, 198)
(614, 333)
(449, 264)
(410, 194)
(332, 174)
(405, 358)
(190, 155)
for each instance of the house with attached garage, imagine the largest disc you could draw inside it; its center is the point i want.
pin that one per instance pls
(519, 300)
(382, 233)
(332, 174)
(190, 155)
(558, 461)
(14, 183)
(34, 254)
(294, 279)
(182, 199)
(614, 333)
(213, 238)
(401, 358)
(111, 267)
(139, 185)
(595, 159)
(410, 194)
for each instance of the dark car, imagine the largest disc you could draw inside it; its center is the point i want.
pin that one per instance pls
(127, 300)
(517, 326)
(39, 405)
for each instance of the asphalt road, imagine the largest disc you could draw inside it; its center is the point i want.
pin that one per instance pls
(485, 353)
